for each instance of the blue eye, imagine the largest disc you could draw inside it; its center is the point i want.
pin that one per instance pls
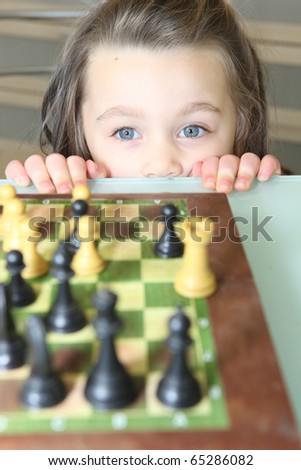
(126, 133)
(192, 131)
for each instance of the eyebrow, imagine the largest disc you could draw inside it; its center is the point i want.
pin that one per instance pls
(120, 111)
(198, 106)
(190, 108)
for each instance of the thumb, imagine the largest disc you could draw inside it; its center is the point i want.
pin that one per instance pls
(95, 171)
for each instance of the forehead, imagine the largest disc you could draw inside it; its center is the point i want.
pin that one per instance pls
(116, 71)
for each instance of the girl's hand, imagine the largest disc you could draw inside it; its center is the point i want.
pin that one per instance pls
(230, 172)
(53, 173)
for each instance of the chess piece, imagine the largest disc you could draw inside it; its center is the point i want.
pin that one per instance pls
(109, 386)
(178, 388)
(169, 244)
(87, 260)
(24, 238)
(81, 192)
(12, 345)
(13, 214)
(65, 316)
(35, 265)
(43, 387)
(7, 193)
(21, 292)
(79, 208)
(195, 279)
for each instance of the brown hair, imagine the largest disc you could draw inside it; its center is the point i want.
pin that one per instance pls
(156, 24)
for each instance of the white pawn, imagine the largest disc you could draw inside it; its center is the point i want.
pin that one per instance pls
(14, 214)
(87, 260)
(82, 192)
(35, 264)
(195, 279)
(7, 193)
(24, 239)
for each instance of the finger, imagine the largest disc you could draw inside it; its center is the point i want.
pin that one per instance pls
(227, 171)
(269, 166)
(209, 172)
(248, 168)
(95, 171)
(59, 172)
(36, 169)
(196, 169)
(15, 171)
(77, 170)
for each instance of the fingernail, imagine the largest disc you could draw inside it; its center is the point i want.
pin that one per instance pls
(23, 181)
(263, 176)
(46, 187)
(79, 182)
(223, 185)
(242, 183)
(64, 188)
(100, 171)
(209, 183)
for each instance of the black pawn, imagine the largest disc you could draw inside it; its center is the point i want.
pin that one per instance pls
(65, 315)
(169, 244)
(21, 293)
(178, 388)
(109, 386)
(78, 209)
(43, 387)
(12, 346)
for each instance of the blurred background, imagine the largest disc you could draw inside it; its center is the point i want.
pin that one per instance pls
(32, 32)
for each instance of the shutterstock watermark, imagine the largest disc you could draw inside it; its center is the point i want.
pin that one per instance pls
(141, 229)
(258, 227)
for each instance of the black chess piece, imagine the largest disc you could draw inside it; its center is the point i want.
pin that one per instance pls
(178, 388)
(12, 345)
(169, 244)
(43, 387)
(78, 209)
(21, 293)
(65, 315)
(109, 386)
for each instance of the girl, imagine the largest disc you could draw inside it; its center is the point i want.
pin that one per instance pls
(154, 88)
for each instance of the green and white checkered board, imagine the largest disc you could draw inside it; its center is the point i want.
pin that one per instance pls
(146, 301)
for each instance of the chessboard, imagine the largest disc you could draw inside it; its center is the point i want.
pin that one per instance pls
(244, 402)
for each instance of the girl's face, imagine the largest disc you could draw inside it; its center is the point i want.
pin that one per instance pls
(156, 114)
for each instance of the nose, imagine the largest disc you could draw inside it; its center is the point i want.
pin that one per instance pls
(162, 161)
